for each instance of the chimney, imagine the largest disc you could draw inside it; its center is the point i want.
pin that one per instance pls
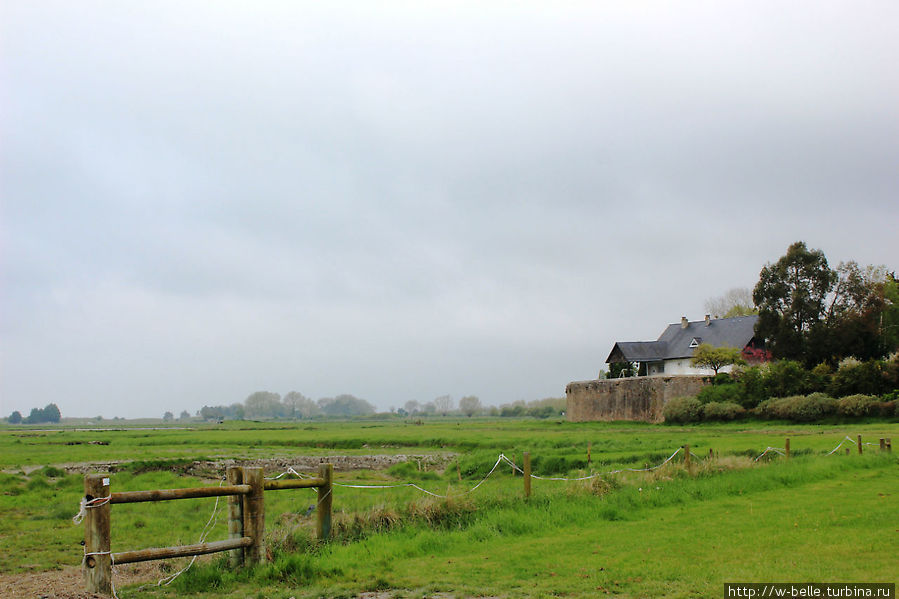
(684, 323)
(708, 319)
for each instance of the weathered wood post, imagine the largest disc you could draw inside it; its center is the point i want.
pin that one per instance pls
(889, 444)
(859, 444)
(883, 444)
(97, 566)
(526, 457)
(325, 497)
(235, 514)
(711, 453)
(687, 457)
(253, 505)
(787, 448)
(459, 471)
(589, 460)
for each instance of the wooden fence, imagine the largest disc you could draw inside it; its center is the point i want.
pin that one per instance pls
(246, 512)
(245, 490)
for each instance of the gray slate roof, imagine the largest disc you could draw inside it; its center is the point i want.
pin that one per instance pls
(675, 341)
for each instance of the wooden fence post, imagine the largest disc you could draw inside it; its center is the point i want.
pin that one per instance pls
(787, 448)
(711, 453)
(889, 445)
(235, 514)
(97, 566)
(254, 515)
(687, 457)
(859, 444)
(325, 498)
(883, 444)
(589, 459)
(526, 456)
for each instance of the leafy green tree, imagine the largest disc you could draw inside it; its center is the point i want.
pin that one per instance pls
(185, 415)
(716, 358)
(168, 417)
(469, 405)
(15, 417)
(51, 413)
(790, 296)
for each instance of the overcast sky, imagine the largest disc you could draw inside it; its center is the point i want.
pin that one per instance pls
(405, 200)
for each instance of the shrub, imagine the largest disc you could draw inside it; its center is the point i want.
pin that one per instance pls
(722, 411)
(727, 393)
(752, 381)
(682, 409)
(854, 377)
(856, 405)
(798, 408)
(786, 378)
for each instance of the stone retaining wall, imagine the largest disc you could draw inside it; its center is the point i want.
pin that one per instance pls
(636, 398)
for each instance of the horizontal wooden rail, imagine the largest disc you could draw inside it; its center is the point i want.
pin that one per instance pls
(166, 494)
(294, 483)
(143, 555)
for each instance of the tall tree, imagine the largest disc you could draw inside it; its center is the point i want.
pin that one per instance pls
(444, 404)
(736, 302)
(15, 417)
(790, 296)
(469, 405)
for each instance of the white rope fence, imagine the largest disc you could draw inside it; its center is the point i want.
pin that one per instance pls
(776, 450)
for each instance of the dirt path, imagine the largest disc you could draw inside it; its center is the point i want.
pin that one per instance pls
(67, 583)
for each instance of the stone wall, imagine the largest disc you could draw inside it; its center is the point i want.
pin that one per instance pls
(637, 398)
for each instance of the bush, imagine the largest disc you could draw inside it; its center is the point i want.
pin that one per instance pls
(722, 411)
(752, 381)
(798, 408)
(726, 393)
(682, 409)
(854, 377)
(857, 405)
(786, 378)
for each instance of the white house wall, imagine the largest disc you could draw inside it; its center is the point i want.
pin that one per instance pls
(682, 366)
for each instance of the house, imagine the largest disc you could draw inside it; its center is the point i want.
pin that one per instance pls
(671, 353)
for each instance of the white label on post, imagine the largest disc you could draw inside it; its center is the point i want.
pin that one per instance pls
(106, 482)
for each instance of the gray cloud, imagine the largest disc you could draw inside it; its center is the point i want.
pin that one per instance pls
(415, 200)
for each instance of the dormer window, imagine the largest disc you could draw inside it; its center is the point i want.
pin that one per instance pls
(695, 341)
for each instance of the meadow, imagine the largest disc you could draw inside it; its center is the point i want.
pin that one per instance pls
(666, 532)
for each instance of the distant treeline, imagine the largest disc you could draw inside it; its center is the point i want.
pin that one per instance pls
(37, 416)
(266, 405)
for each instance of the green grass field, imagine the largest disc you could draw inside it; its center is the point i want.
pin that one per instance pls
(668, 532)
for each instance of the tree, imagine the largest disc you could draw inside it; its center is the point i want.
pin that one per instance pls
(15, 417)
(51, 413)
(300, 406)
(469, 405)
(443, 404)
(168, 417)
(619, 370)
(264, 404)
(412, 407)
(185, 415)
(790, 296)
(709, 356)
(736, 302)
(345, 405)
